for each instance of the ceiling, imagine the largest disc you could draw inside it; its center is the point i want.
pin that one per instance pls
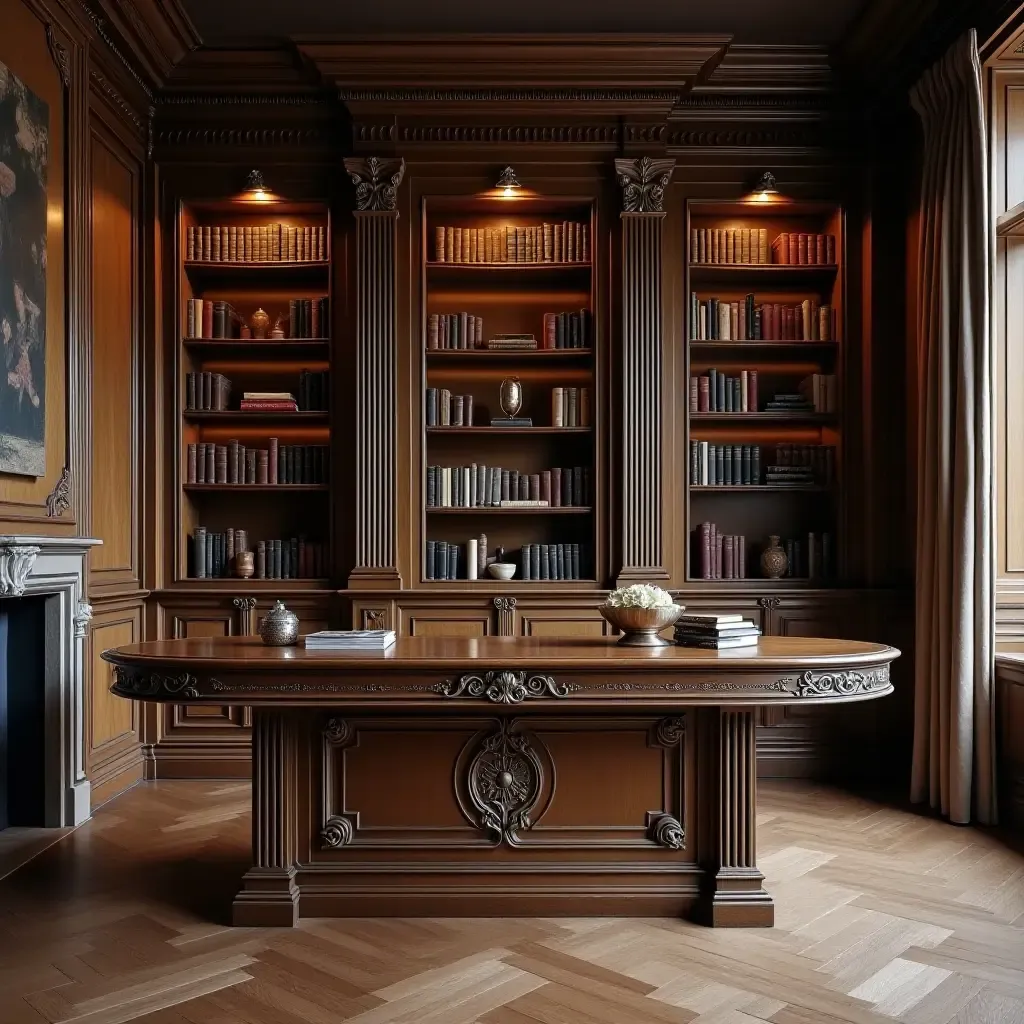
(749, 21)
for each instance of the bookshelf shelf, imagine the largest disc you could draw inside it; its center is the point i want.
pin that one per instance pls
(733, 302)
(506, 431)
(246, 416)
(293, 521)
(550, 510)
(762, 417)
(256, 488)
(513, 299)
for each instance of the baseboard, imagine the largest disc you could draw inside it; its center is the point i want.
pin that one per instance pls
(204, 759)
(115, 776)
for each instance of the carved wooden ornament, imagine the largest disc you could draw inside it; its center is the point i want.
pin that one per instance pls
(504, 782)
(643, 183)
(376, 181)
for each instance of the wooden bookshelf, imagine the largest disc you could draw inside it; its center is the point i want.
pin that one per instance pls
(512, 298)
(779, 336)
(302, 507)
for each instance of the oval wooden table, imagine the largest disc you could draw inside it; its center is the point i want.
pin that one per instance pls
(503, 776)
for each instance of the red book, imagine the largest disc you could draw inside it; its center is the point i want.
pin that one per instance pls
(207, 319)
(830, 249)
(705, 551)
(550, 329)
(801, 249)
(703, 394)
(752, 390)
(727, 567)
(819, 249)
(272, 461)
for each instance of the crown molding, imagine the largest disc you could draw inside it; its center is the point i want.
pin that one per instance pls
(521, 72)
(771, 69)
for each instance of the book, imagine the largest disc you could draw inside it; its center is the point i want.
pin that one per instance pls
(350, 640)
(723, 644)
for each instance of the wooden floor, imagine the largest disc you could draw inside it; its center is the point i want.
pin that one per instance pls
(882, 916)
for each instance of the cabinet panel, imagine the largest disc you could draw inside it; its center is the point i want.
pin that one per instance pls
(467, 618)
(562, 622)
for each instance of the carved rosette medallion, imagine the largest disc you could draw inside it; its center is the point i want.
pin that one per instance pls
(842, 684)
(152, 684)
(666, 831)
(337, 832)
(504, 781)
(337, 732)
(643, 183)
(16, 561)
(376, 181)
(505, 687)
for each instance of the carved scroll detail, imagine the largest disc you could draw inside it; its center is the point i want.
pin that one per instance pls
(842, 684)
(666, 831)
(337, 832)
(505, 687)
(376, 181)
(669, 731)
(152, 684)
(16, 561)
(60, 56)
(58, 501)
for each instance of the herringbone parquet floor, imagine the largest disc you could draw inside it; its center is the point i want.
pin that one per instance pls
(882, 916)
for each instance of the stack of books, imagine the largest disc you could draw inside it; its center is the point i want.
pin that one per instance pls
(716, 632)
(512, 343)
(789, 402)
(350, 640)
(268, 401)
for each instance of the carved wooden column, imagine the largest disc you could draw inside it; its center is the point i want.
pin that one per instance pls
(505, 608)
(643, 183)
(376, 534)
(269, 896)
(732, 894)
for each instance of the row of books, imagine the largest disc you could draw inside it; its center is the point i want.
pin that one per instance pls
(443, 409)
(715, 391)
(740, 464)
(716, 632)
(568, 330)
(820, 389)
(479, 486)
(729, 245)
(234, 463)
(570, 407)
(455, 330)
(566, 242)
(216, 318)
(213, 556)
(811, 557)
(207, 392)
(719, 556)
(256, 243)
(715, 319)
(750, 246)
(446, 560)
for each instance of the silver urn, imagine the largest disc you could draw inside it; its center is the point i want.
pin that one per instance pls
(280, 627)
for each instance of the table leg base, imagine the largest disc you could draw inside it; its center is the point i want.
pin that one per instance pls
(735, 899)
(269, 898)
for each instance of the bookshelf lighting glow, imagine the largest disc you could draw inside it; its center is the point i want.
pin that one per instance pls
(255, 190)
(765, 191)
(508, 184)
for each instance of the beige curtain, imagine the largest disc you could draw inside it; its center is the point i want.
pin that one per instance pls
(954, 759)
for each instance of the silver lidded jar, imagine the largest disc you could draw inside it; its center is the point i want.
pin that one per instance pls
(280, 627)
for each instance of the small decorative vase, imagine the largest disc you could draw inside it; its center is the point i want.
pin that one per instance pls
(259, 322)
(641, 626)
(280, 628)
(244, 566)
(244, 332)
(773, 560)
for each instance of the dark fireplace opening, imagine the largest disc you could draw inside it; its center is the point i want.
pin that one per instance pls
(22, 711)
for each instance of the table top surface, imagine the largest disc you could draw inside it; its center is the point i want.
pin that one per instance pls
(252, 655)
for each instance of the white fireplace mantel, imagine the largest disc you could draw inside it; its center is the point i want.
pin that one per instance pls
(54, 567)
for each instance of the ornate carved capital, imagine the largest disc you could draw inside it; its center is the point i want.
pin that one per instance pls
(643, 183)
(16, 561)
(337, 832)
(666, 831)
(58, 501)
(768, 603)
(244, 604)
(842, 684)
(505, 687)
(669, 731)
(60, 55)
(152, 684)
(376, 181)
(82, 619)
(506, 608)
(504, 782)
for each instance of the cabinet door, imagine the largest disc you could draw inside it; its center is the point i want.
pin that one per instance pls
(568, 622)
(462, 619)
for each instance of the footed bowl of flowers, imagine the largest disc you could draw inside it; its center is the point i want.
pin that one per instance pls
(641, 611)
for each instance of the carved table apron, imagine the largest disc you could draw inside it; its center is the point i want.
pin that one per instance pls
(503, 776)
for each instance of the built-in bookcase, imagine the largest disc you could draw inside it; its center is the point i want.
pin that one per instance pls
(495, 268)
(765, 321)
(269, 474)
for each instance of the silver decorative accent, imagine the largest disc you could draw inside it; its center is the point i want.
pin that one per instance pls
(280, 627)
(510, 396)
(337, 832)
(337, 732)
(842, 684)
(152, 684)
(376, 181)
(505, 687)
(58, 501)
(670, 731)
(82, 619)
(504, 782)
(16, 561)
(643, 183)
(666, 831)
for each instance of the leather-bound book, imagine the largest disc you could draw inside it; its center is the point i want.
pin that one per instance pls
(220, 464)
(191, 464)
(207, 319)
(207, 252)
(432, 331)
(467, 414)
(263, 466)
(557, 232)
(577, 486)
(201, 462)
(211, 463)
(272, 460)
(215, 239)
(250, 465)
(801, 249)
(572, 419)
(566, 488)
(190, 390)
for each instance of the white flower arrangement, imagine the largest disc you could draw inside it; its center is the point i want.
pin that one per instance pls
(639, 595)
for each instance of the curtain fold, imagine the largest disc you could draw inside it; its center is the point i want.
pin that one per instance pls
(954, 755)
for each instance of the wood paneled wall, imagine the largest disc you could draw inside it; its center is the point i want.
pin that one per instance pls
(95, 306)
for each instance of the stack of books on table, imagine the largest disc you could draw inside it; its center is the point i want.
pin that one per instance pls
(716, 632)
(268, 401)
(350, 640)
